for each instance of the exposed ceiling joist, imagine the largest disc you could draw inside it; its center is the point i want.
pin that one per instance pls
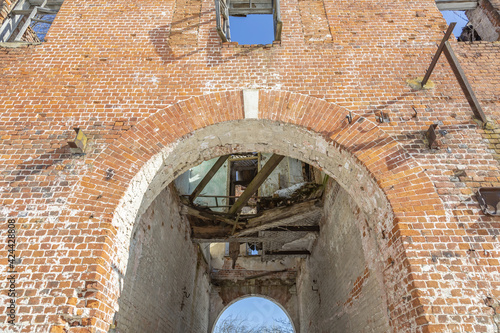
(48, 4)
(207, 215)
(304, 213)
(220, 235)
(288, 253)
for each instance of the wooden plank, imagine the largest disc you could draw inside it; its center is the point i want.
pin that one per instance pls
(296, 228)
(311, 217)
(41, 21)
(456, 4)
(220, 18)
(287, 253)
(21, 12)
(211, 173)
(254, 185)
(221, 234)
(25, 25)
(280, 213)
(47, 11)
(252, 4)
(278, 24)
(464, 83)
(206, 215)
(249, 11)
(48, 3)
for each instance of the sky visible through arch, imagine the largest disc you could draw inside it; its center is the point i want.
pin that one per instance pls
(255, 312)
(456, 16)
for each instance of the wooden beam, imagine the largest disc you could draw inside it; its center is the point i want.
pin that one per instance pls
(464, 83)
(49, 2)
(265, 274)
(456, 4)
(287, 253)
(221, 234)
(302, 215)
(438, 53)
(282, 216)
(206, 215)
(254, 185)
(211, 173)
(296, 228)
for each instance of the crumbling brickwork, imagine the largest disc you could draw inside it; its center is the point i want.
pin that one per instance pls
(156, 92)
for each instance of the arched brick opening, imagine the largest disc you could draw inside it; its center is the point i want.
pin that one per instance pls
(369, 166)
(237, 299)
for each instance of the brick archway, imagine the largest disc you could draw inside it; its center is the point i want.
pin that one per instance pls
(366, 161)
(234, 300)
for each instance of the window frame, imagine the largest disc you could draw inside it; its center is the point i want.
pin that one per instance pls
(224, 9)
(25, 12)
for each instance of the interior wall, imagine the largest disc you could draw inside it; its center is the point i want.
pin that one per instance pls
(338, 287)
(166, 286)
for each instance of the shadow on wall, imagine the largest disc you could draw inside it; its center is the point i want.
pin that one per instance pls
(173, 43)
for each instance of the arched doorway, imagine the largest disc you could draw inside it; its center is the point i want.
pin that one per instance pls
(187, 288)
(369, 170)
(253, 313)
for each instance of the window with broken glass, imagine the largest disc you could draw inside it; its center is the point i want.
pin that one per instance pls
(29, 20)
(224, 9)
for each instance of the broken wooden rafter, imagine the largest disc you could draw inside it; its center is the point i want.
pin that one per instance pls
(438, 53)
(218, 234)
(254, 185)
(213, 170)
(283, 216)
(301, 215)
(287, 253)
(206, 215)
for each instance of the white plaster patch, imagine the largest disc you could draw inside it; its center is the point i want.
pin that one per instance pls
(251, 103)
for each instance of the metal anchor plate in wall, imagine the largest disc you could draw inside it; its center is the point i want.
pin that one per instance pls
(489, 200)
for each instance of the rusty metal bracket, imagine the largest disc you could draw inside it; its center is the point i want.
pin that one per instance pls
(431, 135)
(383, 117)
(78, 145)
(489, 200)
(349, 117)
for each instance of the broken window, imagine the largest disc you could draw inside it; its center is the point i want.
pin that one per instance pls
(29, 20)
(474, 22)
(464, 31)
(256, 10)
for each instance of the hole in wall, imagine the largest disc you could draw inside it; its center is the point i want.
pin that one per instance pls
(252, 29)
(456, 16)
(253, 315)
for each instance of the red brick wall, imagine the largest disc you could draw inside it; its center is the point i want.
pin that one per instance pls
(115, 69)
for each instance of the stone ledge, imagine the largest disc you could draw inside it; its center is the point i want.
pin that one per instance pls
(16, 45)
